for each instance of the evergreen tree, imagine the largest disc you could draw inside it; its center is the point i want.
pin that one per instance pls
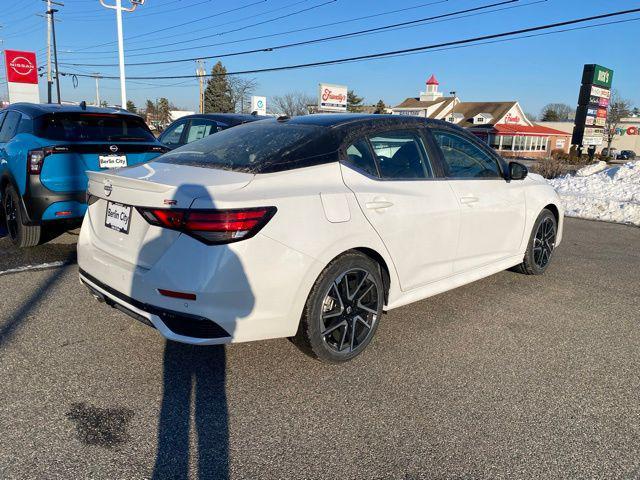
(150, 107)
(354, 102)
(217, 95)
(380, 107)
(164, 112)
(131, 107)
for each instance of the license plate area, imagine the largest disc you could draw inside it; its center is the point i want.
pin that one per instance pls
(118, 217)
(112, 161)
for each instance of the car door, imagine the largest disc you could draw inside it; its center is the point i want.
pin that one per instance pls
(409, 205)
(174, 135)
(9, 127)
(492, 209)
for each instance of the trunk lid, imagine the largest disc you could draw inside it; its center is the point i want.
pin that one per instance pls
(153, 184)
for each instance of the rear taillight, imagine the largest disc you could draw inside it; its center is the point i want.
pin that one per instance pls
(211, 226)
(35, 159)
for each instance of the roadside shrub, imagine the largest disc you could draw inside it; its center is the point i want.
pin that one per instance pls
(549, 167)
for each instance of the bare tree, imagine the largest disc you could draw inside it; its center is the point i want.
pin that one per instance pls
(241, 90)
(556, 112)
(619, 108)
(292, 103)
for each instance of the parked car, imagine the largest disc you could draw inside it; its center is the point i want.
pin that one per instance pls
(309, 228)
(190, 128)
(44, 153)
(609, 153)
(627, 155)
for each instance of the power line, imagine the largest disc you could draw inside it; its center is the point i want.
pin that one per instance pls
(260, 37)
(318, 40)
(406, 50)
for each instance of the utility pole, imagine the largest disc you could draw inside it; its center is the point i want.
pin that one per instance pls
(50, 12)
(201, 72)
(97, 77)
(49, 79)
(119, 9)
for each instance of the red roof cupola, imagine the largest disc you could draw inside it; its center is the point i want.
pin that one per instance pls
(432, 80)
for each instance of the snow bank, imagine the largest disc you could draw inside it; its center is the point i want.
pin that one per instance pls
(611, 195)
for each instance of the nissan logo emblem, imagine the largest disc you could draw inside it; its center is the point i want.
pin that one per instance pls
(108, 188)
(113, 148)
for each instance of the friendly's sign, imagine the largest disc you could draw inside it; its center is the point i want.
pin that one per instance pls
(22, 76)
(332, 98)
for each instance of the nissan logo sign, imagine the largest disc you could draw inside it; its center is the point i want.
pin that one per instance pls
(108, 188)
(113, 148)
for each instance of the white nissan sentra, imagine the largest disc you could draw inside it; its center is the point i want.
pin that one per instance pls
(309, 228)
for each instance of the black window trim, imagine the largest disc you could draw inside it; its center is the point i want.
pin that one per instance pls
(428, 142)
(474, 141)
(187, 124)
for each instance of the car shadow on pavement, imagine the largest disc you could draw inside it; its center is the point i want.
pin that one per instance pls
(193, 410)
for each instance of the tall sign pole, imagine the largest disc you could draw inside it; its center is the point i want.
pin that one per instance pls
(119, 9)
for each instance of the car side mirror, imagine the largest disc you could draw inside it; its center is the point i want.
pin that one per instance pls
(517, 171)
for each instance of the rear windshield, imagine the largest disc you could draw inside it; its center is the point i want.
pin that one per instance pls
(92, 127)
(256, 147)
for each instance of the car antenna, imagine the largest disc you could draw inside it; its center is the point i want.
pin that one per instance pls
(83, 105)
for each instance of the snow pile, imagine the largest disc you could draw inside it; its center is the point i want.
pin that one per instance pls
(611, 195)
(591, 169)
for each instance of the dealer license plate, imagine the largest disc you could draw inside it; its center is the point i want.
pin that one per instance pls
(112, 161)
(118, 217)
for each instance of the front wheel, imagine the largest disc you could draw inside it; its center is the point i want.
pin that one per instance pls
(21, 235)
(541, 245)
(343, 309)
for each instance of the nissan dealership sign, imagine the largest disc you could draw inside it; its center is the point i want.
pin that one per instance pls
(332, 98)
(22, 76)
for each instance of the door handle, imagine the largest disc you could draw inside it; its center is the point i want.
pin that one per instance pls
(378, 204)
(469, 199)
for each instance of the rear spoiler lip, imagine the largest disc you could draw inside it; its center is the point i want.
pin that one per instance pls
(125, 182)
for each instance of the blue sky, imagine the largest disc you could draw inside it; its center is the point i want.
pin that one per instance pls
(534, 71)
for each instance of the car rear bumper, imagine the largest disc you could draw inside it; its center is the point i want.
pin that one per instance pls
(41, 204)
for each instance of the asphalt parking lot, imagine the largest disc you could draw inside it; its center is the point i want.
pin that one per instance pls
(510, 377)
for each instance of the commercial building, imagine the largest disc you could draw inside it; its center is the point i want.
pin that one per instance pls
(627, 135)
(503, 125)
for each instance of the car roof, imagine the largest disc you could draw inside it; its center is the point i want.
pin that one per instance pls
(234, 118)
(355, 119)
(37, 109)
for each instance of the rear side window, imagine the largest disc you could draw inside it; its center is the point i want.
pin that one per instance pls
(401, 155)
(463, 159)
(359, 157)
(201, 128)
(259, 147)
(10, 126)
(173, 134)
(92, 127)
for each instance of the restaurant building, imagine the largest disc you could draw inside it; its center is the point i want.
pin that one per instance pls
(503, 125)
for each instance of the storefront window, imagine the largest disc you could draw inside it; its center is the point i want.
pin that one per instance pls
(507, 142)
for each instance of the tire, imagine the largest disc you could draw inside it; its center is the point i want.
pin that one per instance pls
(541, 245)
(343, 309)
(22, 236)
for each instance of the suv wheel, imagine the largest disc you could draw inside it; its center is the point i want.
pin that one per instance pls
(21, 235)
(343, 309)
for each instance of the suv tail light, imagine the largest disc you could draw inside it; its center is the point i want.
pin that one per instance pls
(35, 158)
(211, 226)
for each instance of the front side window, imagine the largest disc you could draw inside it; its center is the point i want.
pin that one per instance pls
(464, 159)
(173, 134)
(401, 155)
(200, 128)
(359, 157)
(10, 126)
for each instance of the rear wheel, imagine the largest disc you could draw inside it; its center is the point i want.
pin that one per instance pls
(21, 235)
(343, 309)
(541, 245)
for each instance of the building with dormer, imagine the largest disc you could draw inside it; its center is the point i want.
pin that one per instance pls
(503, 125)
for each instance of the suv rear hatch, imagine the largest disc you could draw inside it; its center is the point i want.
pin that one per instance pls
(89, 141)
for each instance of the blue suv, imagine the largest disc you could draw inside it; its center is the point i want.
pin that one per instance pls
(44, 153)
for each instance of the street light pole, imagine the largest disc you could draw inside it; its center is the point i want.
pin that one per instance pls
(55, 51)
(119, 9)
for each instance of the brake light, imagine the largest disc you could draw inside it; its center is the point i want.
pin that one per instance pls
(35, 159)
(211, 226)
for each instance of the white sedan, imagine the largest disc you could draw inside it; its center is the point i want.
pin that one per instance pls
(309, 228)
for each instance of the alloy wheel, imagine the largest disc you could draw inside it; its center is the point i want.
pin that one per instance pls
(544, 242)
(349, 310)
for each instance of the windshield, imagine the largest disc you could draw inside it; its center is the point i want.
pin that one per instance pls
(254, 147)
(95, 127)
